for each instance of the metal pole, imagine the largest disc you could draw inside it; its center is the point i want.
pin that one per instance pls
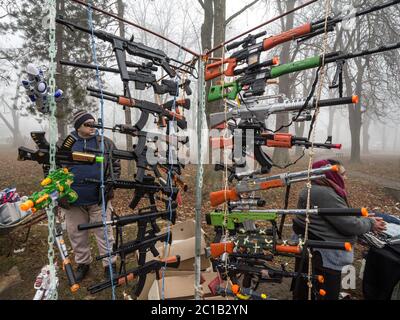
(199, 178)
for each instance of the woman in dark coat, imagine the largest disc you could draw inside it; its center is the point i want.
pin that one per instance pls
(329, 192)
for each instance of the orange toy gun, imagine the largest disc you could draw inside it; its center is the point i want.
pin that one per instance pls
(249, 185)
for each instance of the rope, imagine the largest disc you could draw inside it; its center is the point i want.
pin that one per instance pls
(102, 183)
(53, 134)
(311, 153)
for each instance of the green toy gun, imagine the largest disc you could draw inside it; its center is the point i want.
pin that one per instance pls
(231, 219)
(56, 185)
(253, 82)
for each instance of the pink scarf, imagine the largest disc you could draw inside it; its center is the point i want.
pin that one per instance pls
(333, 179)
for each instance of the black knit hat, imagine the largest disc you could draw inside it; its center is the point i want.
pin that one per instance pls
(80, 117)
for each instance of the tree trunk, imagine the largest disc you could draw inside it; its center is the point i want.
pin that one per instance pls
(355, 118)
(206, 36)
(219, 37)
(365, 128)
(61, 106)
(281, 156)
(16, 133)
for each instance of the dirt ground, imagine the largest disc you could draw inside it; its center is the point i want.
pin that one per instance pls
(30, 257)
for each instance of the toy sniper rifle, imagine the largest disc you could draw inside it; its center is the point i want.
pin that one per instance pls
(234, 217)
(249, 185)
(254, 82)
(262, 112)
(251, 50)
(146, 108)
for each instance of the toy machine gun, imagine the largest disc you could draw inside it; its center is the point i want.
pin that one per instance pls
(37, 89)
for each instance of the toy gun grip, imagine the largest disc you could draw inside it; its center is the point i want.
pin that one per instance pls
(217, 249)
(292, 34)
(219, 197)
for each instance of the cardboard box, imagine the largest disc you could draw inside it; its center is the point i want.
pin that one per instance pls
(183, 244)
(180, 287)
(151, 277)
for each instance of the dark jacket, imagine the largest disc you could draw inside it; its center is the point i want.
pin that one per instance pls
(342, 229)
(89, 194)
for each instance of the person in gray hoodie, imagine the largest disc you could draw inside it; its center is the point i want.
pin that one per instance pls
(329, 192)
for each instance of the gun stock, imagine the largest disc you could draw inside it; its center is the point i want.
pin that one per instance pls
(219, 197)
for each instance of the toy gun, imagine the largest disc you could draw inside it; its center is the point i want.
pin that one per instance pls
(241, 293)
(140, 272)
(66, 262)
(277, 140)
(149, 136)
(146, 108)
(147, 189)
(142, 77)
(264, 183)
(262, 112)
(37, 89)
(64, 153)
(254, 82)
(231, 219)
(130, 219)
(120, 45)
(251, 51)
(56, 185)
(147, 244)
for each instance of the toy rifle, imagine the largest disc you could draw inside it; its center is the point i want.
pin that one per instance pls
(277, 140)
(254, 82)
(56, 185)
(142, 77)
(262, 112)
(150, 136)
(139, 272)
(251, 50)
(231, 219)
(146, 108)
(121, 45)
(64, 153)
(147, 189)
(249, 185)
